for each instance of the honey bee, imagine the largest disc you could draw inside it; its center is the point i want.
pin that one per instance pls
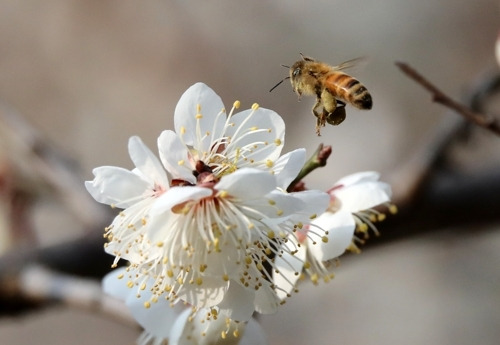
(332, 87)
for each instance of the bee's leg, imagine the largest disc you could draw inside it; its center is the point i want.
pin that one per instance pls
(320, 117)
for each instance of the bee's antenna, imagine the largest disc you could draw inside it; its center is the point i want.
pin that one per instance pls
(275, 86)
(285, 66)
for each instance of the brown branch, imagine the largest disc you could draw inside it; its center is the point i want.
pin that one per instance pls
(482, 120)
(41, 285)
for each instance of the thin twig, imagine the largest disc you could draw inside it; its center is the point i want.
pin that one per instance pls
(483, 120)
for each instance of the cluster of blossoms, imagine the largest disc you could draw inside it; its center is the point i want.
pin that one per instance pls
(209, 232)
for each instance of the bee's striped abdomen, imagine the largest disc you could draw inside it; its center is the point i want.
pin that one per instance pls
(349, 89)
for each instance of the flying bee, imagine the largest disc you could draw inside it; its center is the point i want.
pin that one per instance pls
(332, 87)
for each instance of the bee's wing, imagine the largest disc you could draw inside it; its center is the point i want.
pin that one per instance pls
(350, 63)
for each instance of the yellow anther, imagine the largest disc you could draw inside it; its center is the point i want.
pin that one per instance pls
(270, 234)
(255, 106)
(236, 333)
(279, 213)
(363, 227)
(159, 244)
(300, 225)
(223, 194)
(272, 202)
(254, 128)
(277, 142)
(314, 278)
(181, 162)
(120, 276)
(324, 239)
(198, 108)
(380, 217)
(250, 226)
(182, 130)
(170, 273)
(237, 104)
(248, 260)
(180, 281)
(147, 305)
(198, 116)
(130, 284)
(225, 277)
(199, 281)
(393, 209)
(269, 163)
(313, 216)
(143, 221)
(223, 334)
(143, 286)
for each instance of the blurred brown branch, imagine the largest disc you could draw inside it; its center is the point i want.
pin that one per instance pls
(483, 120)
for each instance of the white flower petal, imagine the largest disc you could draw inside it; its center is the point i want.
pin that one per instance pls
(116, 186)
(178, 195)
(247, 183)
(178, 328)
(159, 318)
(362, 196)
(314, 201)
(209, 294)
(200, 331)
(185, 117)
(259, 135)
(288, 166)
(289, 267)
(358, 177)
(266, 300)
(238, 302)
(146, 162)
(254, 334)
(115, 286)
(174, 156)
(340, 227)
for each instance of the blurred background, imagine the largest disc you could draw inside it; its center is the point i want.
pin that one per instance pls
(90, 74)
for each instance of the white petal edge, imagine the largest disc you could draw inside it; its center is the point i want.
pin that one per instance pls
(116, 186)
(247, 183)
(358, 177)
(362, 196)
(212, 121)
(178, 195)
(288, 166)
(146, 162)
(174, 156)
(340, 227)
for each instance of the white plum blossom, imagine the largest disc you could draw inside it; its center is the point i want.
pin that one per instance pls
(352, 200)
(206, 223)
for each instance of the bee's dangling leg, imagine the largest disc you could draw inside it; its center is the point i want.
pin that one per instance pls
(320, 117)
